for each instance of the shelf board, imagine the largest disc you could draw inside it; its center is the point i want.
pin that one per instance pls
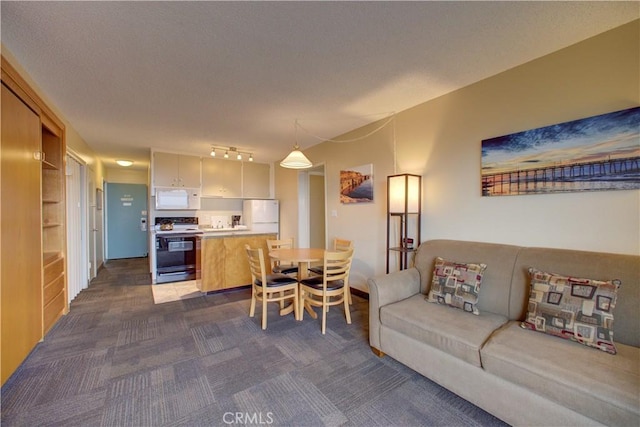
(49, 257)
(50, 201)
(47, 165)
(51, 225)
(399, 249)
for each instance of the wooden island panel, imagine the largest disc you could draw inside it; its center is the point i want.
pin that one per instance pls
(224, 261)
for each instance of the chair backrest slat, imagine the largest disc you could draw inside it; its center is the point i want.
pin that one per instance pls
(337, 265)
(342, 244)
(256, 264)
(278, 244)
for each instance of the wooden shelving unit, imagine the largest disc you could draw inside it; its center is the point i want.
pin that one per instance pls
(53, 226)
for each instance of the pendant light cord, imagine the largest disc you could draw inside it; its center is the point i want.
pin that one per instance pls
(389, 119)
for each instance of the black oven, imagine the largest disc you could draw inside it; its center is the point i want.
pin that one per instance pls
(177, 257)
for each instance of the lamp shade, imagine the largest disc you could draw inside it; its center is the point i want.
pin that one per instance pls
(296, 160)
(404, 193)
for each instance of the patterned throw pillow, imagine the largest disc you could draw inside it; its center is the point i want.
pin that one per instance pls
(572, 308)
(456, 284)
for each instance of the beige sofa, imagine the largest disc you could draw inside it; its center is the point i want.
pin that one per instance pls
(523, 377)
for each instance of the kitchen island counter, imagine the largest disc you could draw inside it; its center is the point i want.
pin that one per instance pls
(224, 263)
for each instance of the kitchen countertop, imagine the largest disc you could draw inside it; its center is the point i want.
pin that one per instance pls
(220, 232)
(213, 232)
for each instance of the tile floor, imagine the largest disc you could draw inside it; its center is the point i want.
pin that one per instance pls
(168, 292)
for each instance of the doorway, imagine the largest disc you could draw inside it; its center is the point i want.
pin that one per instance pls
(92, 226)
(317, 208)
(126, 220)
(312, 207)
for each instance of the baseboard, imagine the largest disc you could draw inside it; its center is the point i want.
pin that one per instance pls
(230, 290)
(359, 293)
(354, 291)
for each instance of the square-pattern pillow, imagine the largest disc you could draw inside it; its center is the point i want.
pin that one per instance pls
(456, 284)
(572, 308)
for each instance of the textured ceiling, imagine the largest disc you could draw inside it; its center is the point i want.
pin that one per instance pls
(182, 76)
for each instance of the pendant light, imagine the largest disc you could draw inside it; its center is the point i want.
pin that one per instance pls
(295, 159)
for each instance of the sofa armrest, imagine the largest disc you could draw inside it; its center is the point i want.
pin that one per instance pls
(385, 290)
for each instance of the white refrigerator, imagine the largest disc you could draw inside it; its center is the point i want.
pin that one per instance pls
(261, 216)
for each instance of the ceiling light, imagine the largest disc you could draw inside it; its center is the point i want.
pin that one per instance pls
(295, 159)
(125, 163)
(230, 152)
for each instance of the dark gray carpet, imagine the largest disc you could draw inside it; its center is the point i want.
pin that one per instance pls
(119, 360)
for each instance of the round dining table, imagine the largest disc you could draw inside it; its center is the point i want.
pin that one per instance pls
(302, 256)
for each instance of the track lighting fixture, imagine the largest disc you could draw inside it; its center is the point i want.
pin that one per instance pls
(227, 150)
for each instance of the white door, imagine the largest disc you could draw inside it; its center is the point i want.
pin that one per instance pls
(92, 228)
(77, 248)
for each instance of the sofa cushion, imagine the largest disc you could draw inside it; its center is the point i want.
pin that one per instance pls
(599, 385)
(456, 284)
(495, 296)
(595, 265)
(451, 330)
(572, 308)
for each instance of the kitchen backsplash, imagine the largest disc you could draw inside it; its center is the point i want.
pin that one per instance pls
(212, 218)
(220, 209)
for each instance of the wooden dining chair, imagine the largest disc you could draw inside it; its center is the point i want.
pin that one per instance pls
(269, 287)
(276, 265)
(338, 245)
(330, 288)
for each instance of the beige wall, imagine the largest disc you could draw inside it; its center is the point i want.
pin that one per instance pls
(122, 175)
(441, 140)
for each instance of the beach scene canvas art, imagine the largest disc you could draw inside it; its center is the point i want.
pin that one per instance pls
(593, 154)
(356, 184)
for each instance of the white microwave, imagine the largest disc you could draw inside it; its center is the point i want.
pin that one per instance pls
(172, 198)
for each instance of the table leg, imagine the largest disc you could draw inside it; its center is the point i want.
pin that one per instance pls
(303, 274)
(290, 308)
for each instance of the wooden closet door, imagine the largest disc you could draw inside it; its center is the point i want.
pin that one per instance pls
(20, 236)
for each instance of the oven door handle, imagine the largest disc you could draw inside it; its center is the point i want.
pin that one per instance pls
(185, 245)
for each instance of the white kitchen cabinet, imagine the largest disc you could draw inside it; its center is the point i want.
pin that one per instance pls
(175, 170)
(256, 180)
(221, 178)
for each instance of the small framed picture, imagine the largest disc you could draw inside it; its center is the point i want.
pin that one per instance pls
(356, 184)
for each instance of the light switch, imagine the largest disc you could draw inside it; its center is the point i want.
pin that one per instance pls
(334, 213)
